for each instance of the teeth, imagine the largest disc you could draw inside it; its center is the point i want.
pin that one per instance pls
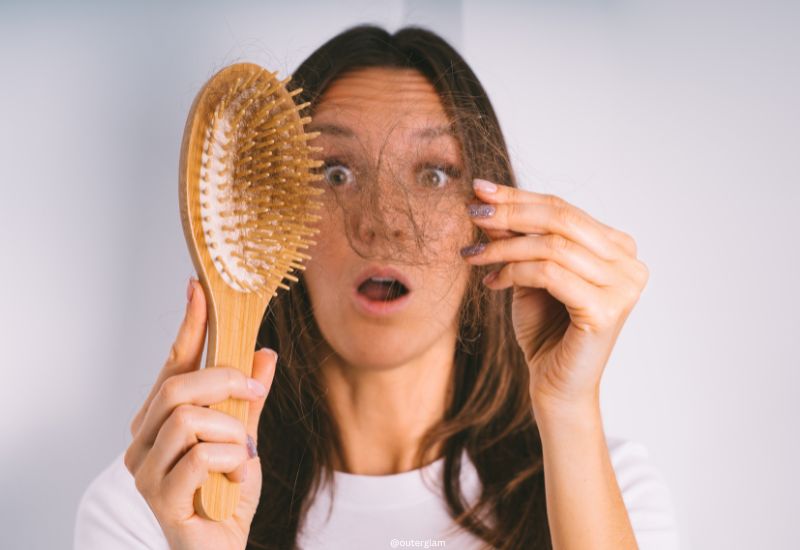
(382, 279)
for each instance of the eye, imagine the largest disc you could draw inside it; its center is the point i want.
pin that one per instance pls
(337, 173)
(437, 176)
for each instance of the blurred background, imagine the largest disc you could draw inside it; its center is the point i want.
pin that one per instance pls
(677, 122)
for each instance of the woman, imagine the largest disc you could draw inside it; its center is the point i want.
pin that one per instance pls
(439, 359)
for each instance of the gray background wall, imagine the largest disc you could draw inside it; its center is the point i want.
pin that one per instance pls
(675, 121)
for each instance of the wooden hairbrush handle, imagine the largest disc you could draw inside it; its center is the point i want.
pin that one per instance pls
(217, 497)
(245, 197)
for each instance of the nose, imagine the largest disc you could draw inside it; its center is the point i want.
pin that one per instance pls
(378, 220)
(383, 212)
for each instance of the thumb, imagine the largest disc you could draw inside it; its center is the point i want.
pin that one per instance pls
(264, 364)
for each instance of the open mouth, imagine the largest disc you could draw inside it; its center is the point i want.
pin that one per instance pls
(382, 289)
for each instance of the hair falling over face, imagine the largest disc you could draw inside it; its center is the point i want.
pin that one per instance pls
(412, 195)
(488, 411)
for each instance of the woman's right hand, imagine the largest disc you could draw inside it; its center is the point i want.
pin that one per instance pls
(178, 440)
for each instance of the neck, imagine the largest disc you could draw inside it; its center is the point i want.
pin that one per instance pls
(383, 414)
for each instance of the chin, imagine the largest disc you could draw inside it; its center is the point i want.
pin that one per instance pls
(376, 347)
(382, 353)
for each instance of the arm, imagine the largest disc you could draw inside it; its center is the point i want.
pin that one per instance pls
(584, 504)
(558, 259)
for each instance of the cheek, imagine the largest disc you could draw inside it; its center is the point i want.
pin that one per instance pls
(456, 232)
(326, 256)
(329, 233)
(460, 233)
(327, 259)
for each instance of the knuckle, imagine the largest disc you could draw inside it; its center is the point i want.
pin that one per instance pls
(558, 214)
(609, 315)
(631, 294)
(240, 433)
(631, 298)
(235, 378)
(127, 459)
(495, 249)
(170, 389)
(630, 243)
(548, 269)
(556, 242)
(512, 211)
(644, 273)
(135, 423)
(567, 215)
(141, 485)
(198, 457)
(183, 416)
(175, 354)
(553, 200)
(624, 240)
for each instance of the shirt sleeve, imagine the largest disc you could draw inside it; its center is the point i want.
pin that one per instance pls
(113, 514)
(646, 495)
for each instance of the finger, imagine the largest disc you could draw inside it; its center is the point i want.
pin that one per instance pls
(178, 487)
(495, 234)
(508, 194)
(492, 233)
(566, 253)
(186, 350)
(542, 219)
(624, 240)
(264, 365)
(577, 294)
(185, 427)
(203, 387)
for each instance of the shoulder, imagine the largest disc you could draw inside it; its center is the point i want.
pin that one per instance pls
(646, 495)
(113, 514)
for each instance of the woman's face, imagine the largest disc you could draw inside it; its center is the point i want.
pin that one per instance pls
(394, 200)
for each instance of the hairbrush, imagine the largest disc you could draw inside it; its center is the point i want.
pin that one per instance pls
(246, 203)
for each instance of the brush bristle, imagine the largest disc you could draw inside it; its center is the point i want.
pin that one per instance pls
(255, 184)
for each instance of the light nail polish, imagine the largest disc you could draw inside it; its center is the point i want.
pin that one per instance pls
(484, 185)
(256, 387)
(270, 351)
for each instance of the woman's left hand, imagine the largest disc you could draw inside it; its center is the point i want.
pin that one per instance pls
(575, 281)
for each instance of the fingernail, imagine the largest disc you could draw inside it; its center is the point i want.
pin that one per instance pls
(481, 210)
(472, 250)
(256, 387)
(271, 352)
(484, 185)
(490, 277)
(189, 290)
(252, 452)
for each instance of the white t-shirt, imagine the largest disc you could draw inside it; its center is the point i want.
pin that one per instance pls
(373, 512)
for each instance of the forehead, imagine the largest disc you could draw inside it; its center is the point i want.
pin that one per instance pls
(375, 101)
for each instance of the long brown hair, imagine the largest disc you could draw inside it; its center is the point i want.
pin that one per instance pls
(489, 412)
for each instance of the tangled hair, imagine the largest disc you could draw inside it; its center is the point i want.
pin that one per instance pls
(488, 410)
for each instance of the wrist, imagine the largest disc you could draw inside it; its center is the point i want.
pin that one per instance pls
(576, 411)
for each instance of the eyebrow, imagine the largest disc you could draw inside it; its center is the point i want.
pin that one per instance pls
(343, 131)
(331, 129)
